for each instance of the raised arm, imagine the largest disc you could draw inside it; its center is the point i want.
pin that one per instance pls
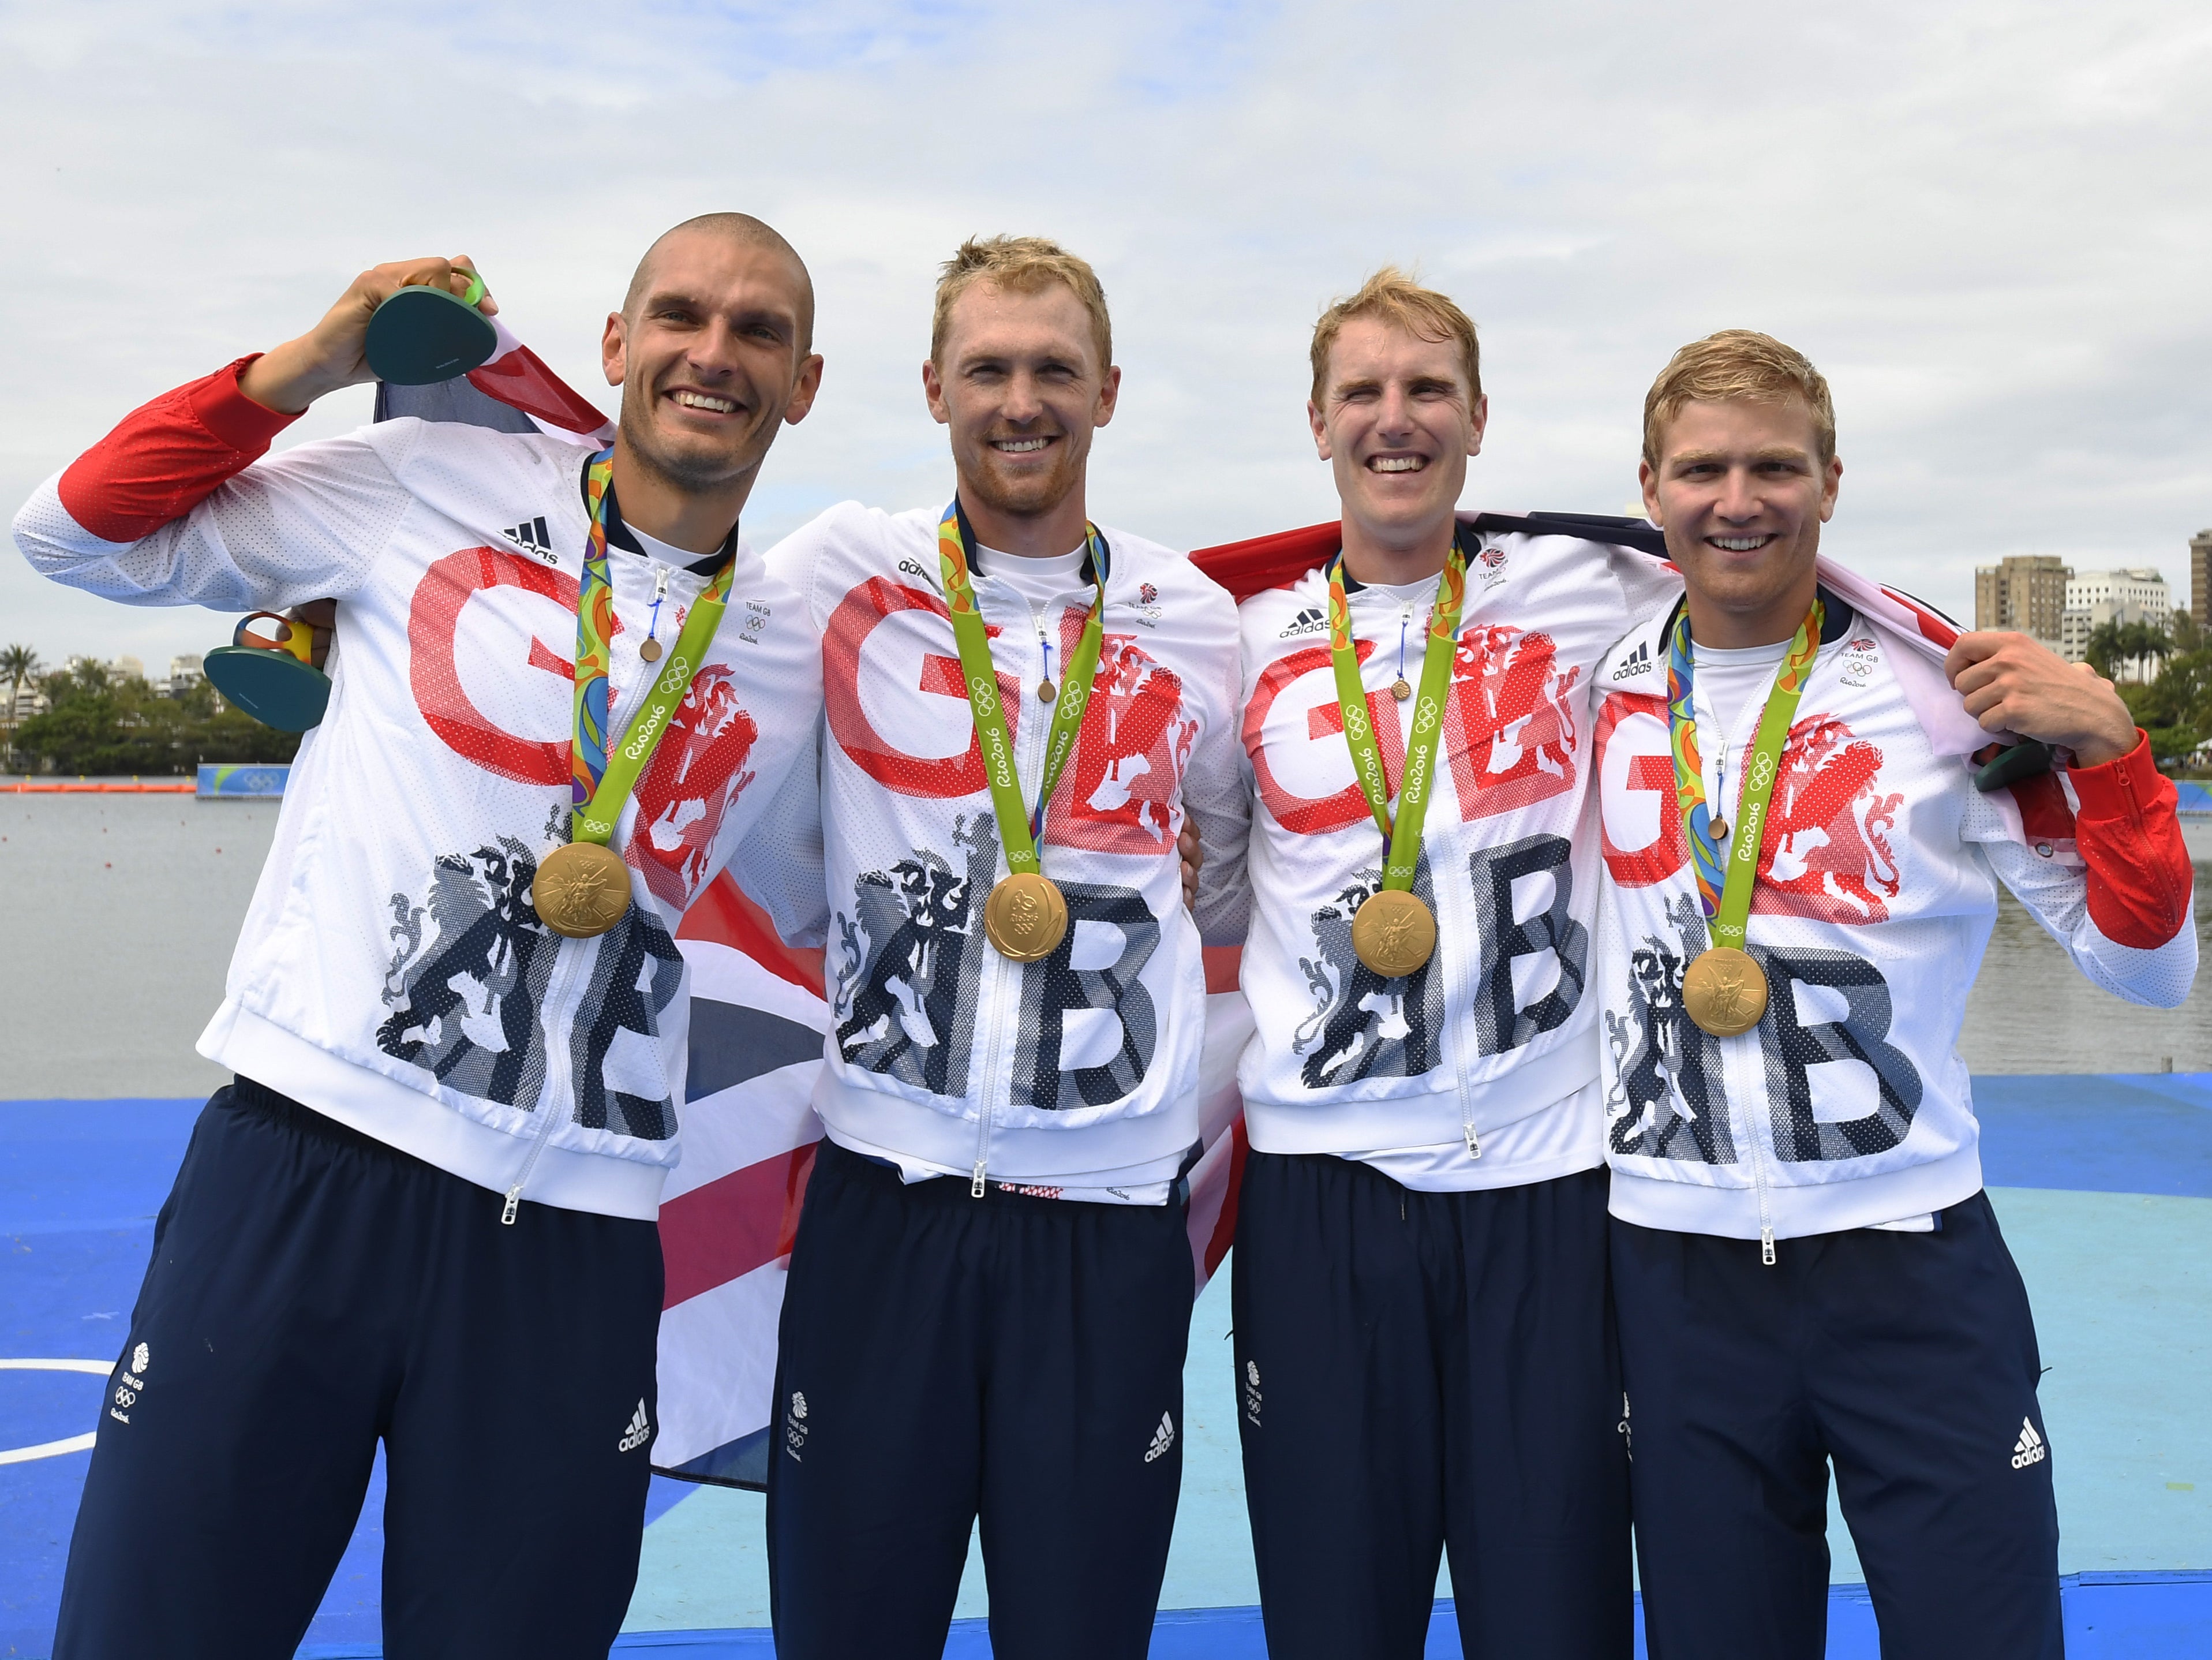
(2124, 911)
(177, 505)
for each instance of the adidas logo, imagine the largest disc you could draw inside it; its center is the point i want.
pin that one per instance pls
(637, 1434)
(1162, 1439)
(2029, 1449)
(1309, 621)
(532, 537)
(1635, 663)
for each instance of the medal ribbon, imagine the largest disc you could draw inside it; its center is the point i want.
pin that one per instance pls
(600, 783)
(1018, 825)
(1724, 884)
(1438, 651)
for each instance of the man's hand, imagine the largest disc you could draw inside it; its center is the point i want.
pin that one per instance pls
(321, 617)
(331, 353)
(2011, 683)
(1193, 857)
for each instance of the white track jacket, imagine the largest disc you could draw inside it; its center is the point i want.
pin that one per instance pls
(1848, 1105)
(391, 972)
(1496, 1026)
(940, 1050)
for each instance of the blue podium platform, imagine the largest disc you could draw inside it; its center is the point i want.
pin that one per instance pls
(2102, 1185)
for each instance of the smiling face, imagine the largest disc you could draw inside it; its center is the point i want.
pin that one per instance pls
(1741, 492)
(713, 354)
(1397, 423)
(1020, 383)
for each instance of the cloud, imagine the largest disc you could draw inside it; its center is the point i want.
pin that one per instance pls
(1987, 223)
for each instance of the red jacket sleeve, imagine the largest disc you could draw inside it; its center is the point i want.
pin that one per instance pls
(2139, 874)
(169, 456)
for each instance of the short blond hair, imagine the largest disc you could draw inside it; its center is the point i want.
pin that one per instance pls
(1019, 265)
(1733, 366)
(1392, 297)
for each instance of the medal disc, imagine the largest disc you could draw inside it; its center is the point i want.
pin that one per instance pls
(581, 890)
(1393, 934)
(1026, 917)
(1724, 991)
(1717, 829)
(1402, 688)
(650, 650)
(1044, 691)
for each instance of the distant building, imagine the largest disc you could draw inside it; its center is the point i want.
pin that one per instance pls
(2095, 598)
(127, 668)
(2024, 592)
(2200, 578)
(185, 672)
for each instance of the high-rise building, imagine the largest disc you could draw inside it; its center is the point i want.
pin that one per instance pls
(185, 672)
(2095, 598)
(2024, 592)
(2200, 578)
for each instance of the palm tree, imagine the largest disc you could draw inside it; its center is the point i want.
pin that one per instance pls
(18, 664)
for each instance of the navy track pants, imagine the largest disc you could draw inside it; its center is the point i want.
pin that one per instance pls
(311, 1291)
(944, 1356)
(1424, 1372)
(1910, 1360)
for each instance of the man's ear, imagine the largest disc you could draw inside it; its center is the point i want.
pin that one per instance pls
(1320, 430)
(804, 391)
(1649, 482)
(1478, 422)
(1109, 391)
(614, 349)
(1831, 481)
(933, 392)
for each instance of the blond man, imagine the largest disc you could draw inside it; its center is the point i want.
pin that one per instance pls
(1424, 1349)
(1805, 830)
(991, 1285)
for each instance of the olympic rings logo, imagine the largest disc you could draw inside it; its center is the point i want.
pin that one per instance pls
(983, 691)
(1762, 770)
(1355, 721)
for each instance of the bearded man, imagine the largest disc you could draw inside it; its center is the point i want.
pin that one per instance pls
(990, 1289)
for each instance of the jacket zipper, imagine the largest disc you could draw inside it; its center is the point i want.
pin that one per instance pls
(1029, 755)
(1461, 994)
(560, 1083)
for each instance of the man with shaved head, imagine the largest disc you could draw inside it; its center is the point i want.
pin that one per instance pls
(423, 1213)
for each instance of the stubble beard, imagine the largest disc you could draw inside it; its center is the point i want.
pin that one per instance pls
(1028, 498)
(695, 473)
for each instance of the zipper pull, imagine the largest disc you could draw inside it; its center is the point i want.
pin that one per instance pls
(1766, 1246)
(975, 1186)
(1473, 1143)
(1044, 684)
(514, 1204)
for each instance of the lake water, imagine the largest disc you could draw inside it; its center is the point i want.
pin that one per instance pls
(118, 914)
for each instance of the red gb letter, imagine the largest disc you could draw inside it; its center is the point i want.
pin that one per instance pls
(910, 643)
(433, 622)
(1636, 792)
(1281, 760)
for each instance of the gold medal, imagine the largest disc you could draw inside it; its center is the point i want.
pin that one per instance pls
(1402, 688)
(1717, 829)
(1724, 991)
(1026, 917)
(1393, 934)
(650, 650)
(581, 890)
(1044, 691)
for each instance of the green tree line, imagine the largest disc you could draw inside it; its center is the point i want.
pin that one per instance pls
(100, 722)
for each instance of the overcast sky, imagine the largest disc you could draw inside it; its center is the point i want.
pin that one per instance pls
(1987, 223)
